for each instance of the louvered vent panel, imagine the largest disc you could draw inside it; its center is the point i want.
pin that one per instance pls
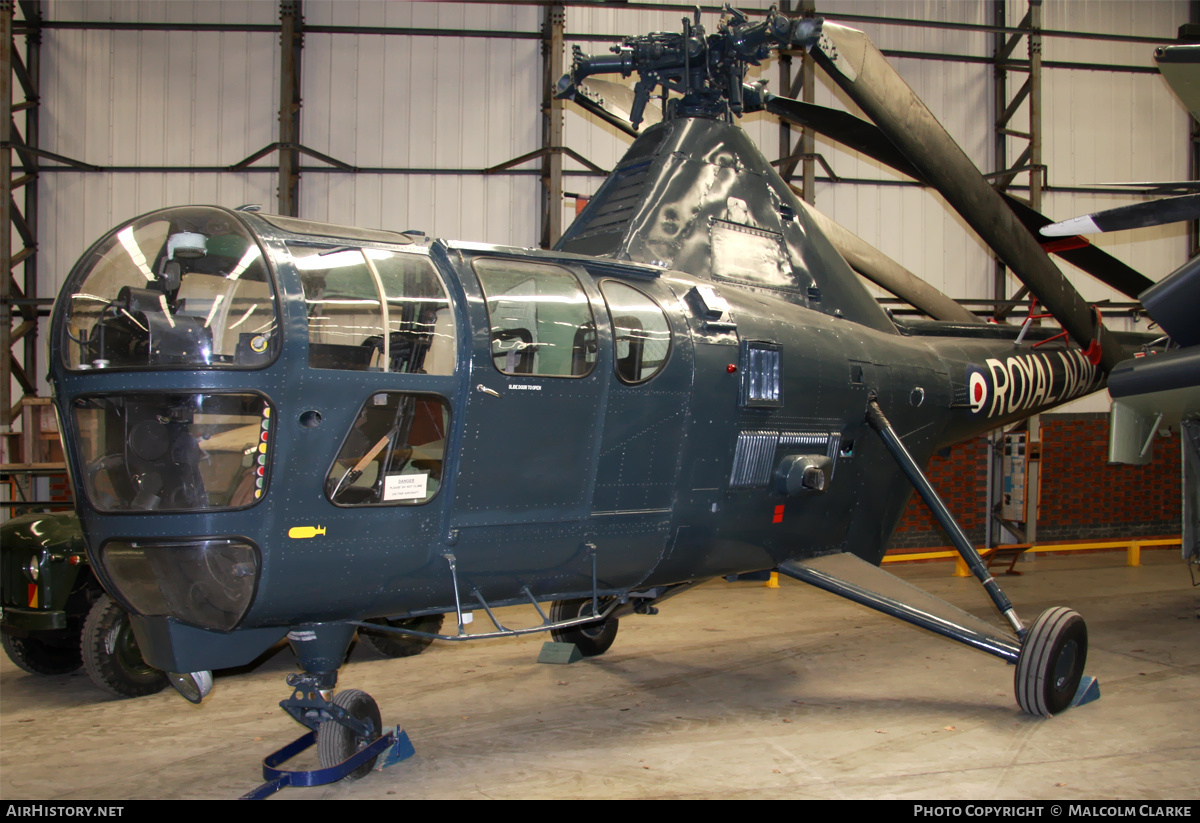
(619, 201)
(754, 457)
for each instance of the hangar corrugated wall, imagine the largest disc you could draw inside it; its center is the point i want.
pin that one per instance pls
(125, 99)
(151, 98)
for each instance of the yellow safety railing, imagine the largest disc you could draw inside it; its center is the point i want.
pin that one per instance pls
(1132, 547)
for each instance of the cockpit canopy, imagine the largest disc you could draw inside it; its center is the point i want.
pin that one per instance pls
(191, 287)
(178, 287)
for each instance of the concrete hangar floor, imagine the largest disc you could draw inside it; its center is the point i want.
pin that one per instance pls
(732, 691)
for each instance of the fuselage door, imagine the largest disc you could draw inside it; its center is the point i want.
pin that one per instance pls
(536, 402)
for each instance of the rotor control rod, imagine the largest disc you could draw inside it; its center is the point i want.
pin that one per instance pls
(880, 424)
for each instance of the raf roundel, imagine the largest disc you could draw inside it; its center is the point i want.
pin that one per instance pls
(977, 391)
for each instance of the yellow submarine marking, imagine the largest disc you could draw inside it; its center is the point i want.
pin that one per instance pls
(298, 532)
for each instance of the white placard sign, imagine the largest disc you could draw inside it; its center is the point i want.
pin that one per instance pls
(405, 486)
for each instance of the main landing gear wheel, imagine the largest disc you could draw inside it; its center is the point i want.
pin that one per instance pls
(38, 656)
(111, 653)
(591, 639)
(1051, 662)
(402, 645)
(336, 743)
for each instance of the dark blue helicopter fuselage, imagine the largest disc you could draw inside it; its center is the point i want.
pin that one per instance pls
(541, 484)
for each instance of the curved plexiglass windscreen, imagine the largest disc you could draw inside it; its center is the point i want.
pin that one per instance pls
(179, 287)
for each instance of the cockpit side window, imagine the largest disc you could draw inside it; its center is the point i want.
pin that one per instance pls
(375, 310)
(541, 321)
(393, 453)
(640, 330)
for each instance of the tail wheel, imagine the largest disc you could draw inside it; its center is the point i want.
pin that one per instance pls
(1051, 662)
(111, 653)
(336, 743)
(401, 645)
(592, 638)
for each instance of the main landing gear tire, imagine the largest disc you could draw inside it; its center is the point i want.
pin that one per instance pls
(591, 639)
(38, 656)
(1051, 662)
(401, 645)
(336, 743)
(111, 653)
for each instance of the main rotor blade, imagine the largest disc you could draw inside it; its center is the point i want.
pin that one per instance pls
(886, 273)
(587, 104)
(865, 137)
(611, 102)
(854, 63)
(1137, 216)
(617, 99)
(842, 126)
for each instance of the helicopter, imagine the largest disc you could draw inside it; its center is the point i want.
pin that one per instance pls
(281, 428)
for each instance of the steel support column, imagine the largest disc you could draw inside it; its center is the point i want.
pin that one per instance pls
(803, 153)
(18, 316)
(291, 45)
(8, 288)
(1193, 226)
(553, 29)
(1029, 161)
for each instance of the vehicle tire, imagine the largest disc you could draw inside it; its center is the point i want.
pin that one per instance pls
(111, 653)
(591, 639)
(1051, 662)
(401, 645)
(336, 743)
(38, 656)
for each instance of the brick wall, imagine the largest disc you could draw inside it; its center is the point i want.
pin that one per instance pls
(1083, 497)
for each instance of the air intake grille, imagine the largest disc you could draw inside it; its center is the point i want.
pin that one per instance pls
(754, 457)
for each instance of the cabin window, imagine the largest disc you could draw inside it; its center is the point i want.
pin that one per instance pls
(375, 310)
(541, 320)
(393, 453)
(641, 332)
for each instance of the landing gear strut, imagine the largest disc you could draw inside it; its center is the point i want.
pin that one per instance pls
(1049, 655)
(346, 728)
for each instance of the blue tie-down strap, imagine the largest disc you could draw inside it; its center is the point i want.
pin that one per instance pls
(396, 742)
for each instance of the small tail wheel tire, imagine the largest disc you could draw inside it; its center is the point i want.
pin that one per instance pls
(401, 645)
(1051, 662)
(111, 654)
(591, 638)
(336, 743)
(39, 656)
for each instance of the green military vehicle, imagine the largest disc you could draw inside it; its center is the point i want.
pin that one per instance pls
(57, 617)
